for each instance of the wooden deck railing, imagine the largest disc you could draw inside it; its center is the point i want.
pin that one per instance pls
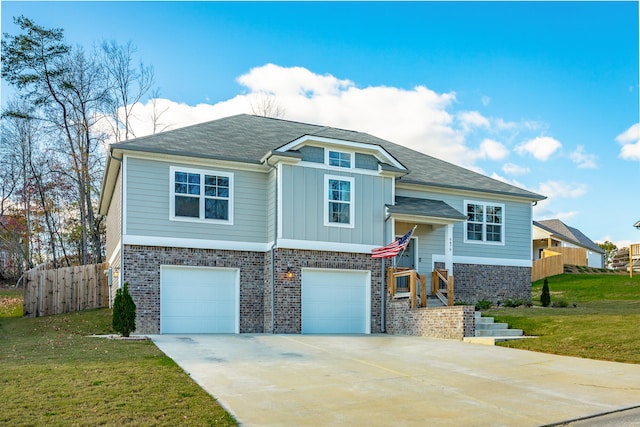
(413, 278)
(634, 257)
(442, 286)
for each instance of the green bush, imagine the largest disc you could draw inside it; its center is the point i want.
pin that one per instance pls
(124, 312)
(483, 304)
(560, 304)
(545, 296)
(513, 302)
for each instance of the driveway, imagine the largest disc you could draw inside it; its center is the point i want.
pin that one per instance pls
(381, 380)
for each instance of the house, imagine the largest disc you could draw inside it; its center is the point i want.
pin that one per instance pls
(553, 233)
(254, 224)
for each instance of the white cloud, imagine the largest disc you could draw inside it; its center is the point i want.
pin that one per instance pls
(513, 169)
(492, 150)
(555, 190)
(485, 100)
(419, 118)
(582, 159)
(542, 147)
(630, 140)
(472, 119)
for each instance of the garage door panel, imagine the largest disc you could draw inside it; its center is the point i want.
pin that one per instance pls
(335, 301)
(198, 300)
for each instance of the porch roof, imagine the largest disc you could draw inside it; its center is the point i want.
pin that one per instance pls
(428, 208)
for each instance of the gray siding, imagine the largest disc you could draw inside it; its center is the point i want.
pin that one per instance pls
(148, 199)
(303, 207)
(366, 161)
(114, 217)
(312, 154)
(517, 227)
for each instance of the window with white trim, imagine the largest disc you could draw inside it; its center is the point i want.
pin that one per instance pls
(485, 222)
(338, 201)
(339, 159)
(198, 195)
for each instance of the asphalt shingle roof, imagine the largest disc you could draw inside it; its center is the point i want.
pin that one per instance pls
(562, 230)
(247, 138)
(425, 207)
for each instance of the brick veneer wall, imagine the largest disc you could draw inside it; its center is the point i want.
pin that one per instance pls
(142, 270)
(454, 322)
(288, 291)
(475, 282)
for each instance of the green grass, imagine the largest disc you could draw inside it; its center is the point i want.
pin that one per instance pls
(10, 302)
(53, 373)
(603, 325)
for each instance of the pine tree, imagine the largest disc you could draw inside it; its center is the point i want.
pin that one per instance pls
(124, 312)
(545, 297)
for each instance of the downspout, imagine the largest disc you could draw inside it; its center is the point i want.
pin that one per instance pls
(119, 159)
(273, 248)
(383, 302)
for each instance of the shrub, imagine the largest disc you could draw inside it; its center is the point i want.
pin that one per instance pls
(545, 297)
(561, 303)
(124, 312)
(483, 304)
(513, 302)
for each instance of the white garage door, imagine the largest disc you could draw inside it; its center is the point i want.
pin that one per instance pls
(336, 301)
(199, 300)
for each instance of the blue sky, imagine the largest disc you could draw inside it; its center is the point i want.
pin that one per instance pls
(543, 95)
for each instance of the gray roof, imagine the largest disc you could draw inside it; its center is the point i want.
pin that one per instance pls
(247, 138)
(425, 207)
(563, 231)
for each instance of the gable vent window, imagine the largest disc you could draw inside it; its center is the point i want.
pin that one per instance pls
(338, 203)
(485, 223)
(339, 159)
(201, 195)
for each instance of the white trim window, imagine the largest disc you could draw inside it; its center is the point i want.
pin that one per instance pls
(485, 222)
(339, 159)
(338, 201)
(201, 195)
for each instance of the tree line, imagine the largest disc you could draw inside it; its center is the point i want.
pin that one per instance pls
(69, 103)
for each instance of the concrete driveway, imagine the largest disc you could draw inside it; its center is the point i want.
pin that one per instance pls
(381, 380)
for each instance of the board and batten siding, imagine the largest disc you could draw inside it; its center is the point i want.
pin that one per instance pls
(517, 226)
(114, 218)
(303, 201)
(148, 201)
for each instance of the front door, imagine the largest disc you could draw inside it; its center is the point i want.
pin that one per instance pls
(406, 259)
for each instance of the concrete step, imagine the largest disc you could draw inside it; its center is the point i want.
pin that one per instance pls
(482, 326)
(499, 332)
(486, 327)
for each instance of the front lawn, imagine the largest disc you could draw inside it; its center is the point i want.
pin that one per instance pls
(602, 325)
(53, 373)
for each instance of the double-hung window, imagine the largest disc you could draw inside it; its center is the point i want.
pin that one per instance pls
(485, 222)
(338, 202)
(198, 195)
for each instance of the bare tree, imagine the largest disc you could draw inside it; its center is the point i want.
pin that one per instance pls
(157, 113)
(128, 83)
(266, 105)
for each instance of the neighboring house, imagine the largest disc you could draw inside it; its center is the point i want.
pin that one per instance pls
(254, 224)
(552, 233)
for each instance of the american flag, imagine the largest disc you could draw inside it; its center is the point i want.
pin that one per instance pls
(393, 248)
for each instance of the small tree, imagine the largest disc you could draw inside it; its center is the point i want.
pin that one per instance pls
(124, 312)
(545, 297)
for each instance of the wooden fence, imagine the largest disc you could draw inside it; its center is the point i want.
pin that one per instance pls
(572, 256)
(65, 289)
(550, 264)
